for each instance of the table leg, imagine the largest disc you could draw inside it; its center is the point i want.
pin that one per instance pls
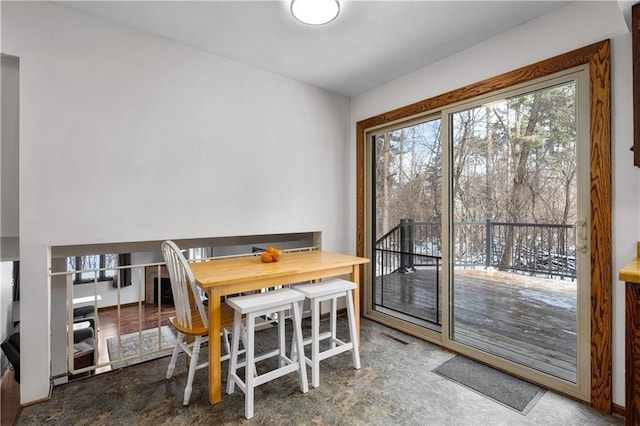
(215, 377)
(355, 277)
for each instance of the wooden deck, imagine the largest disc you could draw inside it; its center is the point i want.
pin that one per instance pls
(528, 320)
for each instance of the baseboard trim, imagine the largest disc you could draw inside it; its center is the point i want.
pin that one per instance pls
(39, 401)
(618, 411)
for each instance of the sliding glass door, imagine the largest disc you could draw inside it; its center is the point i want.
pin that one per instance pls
(408, 246)
(479, 227)
(515, 221)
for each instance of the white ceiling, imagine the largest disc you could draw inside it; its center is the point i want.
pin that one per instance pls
(369, 44)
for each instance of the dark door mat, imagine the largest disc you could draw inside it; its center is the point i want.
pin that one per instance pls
(507, 390)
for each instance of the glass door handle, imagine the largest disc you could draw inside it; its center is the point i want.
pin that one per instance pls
(580, 227)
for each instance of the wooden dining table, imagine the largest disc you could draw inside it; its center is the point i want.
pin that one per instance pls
(222, 277)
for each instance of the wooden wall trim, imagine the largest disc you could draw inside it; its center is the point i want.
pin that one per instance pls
(597, 56)
(618, 411)
(601, 272)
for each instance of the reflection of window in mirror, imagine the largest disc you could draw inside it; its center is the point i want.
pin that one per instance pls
(635, 30)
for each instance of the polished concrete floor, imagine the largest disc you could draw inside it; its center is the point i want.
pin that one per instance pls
(395, 386)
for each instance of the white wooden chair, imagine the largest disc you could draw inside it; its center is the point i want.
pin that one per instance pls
(331, 289)
(255, 306)
(190, 323)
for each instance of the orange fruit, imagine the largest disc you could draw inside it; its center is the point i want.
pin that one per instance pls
(270, 249)
(266, 257)
(276, 255)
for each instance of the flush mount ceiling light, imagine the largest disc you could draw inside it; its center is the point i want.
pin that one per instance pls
(315, 12)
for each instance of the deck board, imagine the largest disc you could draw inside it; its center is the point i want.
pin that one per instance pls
(528, 320)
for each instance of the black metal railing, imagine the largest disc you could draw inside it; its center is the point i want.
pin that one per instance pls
(546, 250)
(396, 292)
(543, 250)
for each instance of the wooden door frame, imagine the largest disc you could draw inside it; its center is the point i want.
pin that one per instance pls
(597, 57)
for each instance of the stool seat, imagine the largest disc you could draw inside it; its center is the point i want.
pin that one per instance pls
(325, 288)
(331, 289)
(254, 306)
(264, 301)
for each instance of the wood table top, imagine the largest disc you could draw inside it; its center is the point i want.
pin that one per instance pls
(219, 272)
(631, 272)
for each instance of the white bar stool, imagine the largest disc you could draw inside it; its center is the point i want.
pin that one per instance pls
(254, 306)
(328, 290)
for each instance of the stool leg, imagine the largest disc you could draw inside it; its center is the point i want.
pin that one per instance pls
(294, 346)
(355, 352)
(233, 358)
(227, 346)
(249, 368)
(334, 320)
(243, 339)
(297, 332)
(281, 339)
(315, 343)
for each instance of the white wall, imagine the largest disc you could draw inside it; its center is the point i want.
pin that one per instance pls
(571, 27)
(9, 219)
(167, 141)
